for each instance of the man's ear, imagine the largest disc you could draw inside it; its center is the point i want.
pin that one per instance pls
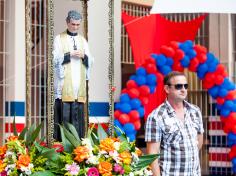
(166, 88)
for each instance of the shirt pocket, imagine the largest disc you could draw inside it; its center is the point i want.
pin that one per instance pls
(172, 135)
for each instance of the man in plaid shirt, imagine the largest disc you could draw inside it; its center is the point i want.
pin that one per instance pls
(175, 130)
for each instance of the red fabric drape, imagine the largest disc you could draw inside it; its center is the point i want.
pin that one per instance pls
(147, 34)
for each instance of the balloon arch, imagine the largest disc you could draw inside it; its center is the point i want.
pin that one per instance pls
(177, 56)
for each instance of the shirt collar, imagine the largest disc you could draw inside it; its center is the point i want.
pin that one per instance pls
(70, 33)
(171, 110)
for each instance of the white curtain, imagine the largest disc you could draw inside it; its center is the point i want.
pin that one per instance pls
(194, 6)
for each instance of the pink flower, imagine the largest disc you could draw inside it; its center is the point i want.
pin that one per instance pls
(93, 171)
(3, 173)
(117, 168)
(73, 169)
(122, 171)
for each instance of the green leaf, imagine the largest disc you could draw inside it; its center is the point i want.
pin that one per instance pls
(35, 133)
(124, 146)
(67, 145)
(29, 135)
(43, 173)
(101, 133)
(22, 134)
(145, 160)
(73, 131)
(14, 127)
(71, 138)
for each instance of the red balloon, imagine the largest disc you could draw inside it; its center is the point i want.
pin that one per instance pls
(144, 90)
(117, 114)
(179, 54)
(134, 115)
(193, 64)
(137, 125)
(232, 119)
(133, 93)
(202, 58)
(150, 61)
(178, 67)
(151, 68)
(174, 45)
(168, 51)
(209, 77)
(220, 69)
(144, 100)
(131, 84)
(200, 49)
(219, 80)
(124, 91)
(124, 118)
(220, 100)
(160, 77)
(231, 95)
(207, 84)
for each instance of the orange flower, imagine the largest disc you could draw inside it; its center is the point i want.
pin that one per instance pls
(107, 144)
(12, 138)
(138, 151)
(125, 157)
(23, 161)
(2, 166)
(3, 150)
(81, 153)
(105, 168)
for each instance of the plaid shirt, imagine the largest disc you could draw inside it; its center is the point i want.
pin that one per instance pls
(179, 154)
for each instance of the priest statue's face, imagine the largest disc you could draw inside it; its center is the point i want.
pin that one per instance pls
(73, 25)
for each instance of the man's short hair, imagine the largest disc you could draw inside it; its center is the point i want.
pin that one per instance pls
(74, 15)
(170, 75)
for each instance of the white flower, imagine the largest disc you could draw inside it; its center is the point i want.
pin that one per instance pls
(114, 155)
(92, 160)
(131, 174)
(147, 172)
(87, 143)
(117, 145)
(135, 157)
(27, 170)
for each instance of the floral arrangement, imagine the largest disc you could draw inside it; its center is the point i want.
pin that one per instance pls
(96, 155)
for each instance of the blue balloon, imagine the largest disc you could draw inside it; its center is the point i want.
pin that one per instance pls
(224, 112)
(233, 108)
(125, 107)
(231, 136)
(124, 98)
(212, 68)
(117, 105)
(234, 162)
(202, 68)
(141, 71)
(228, 104)
(165, 69)
(213, 91)
(132, 77)
(135, 103)
(151, 79)
(226, 83)
(185, 61)
(218, 107)
(141, 112)
(160, 60)
(118, 127)
(222, 92)
(191, 53)
(140, 80)
(210, 58)
(131, 137)
(169, 61)
(152, 89)
(129, 128)
(189, 43)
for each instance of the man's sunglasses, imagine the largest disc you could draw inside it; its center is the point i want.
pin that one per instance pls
(179, 86)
